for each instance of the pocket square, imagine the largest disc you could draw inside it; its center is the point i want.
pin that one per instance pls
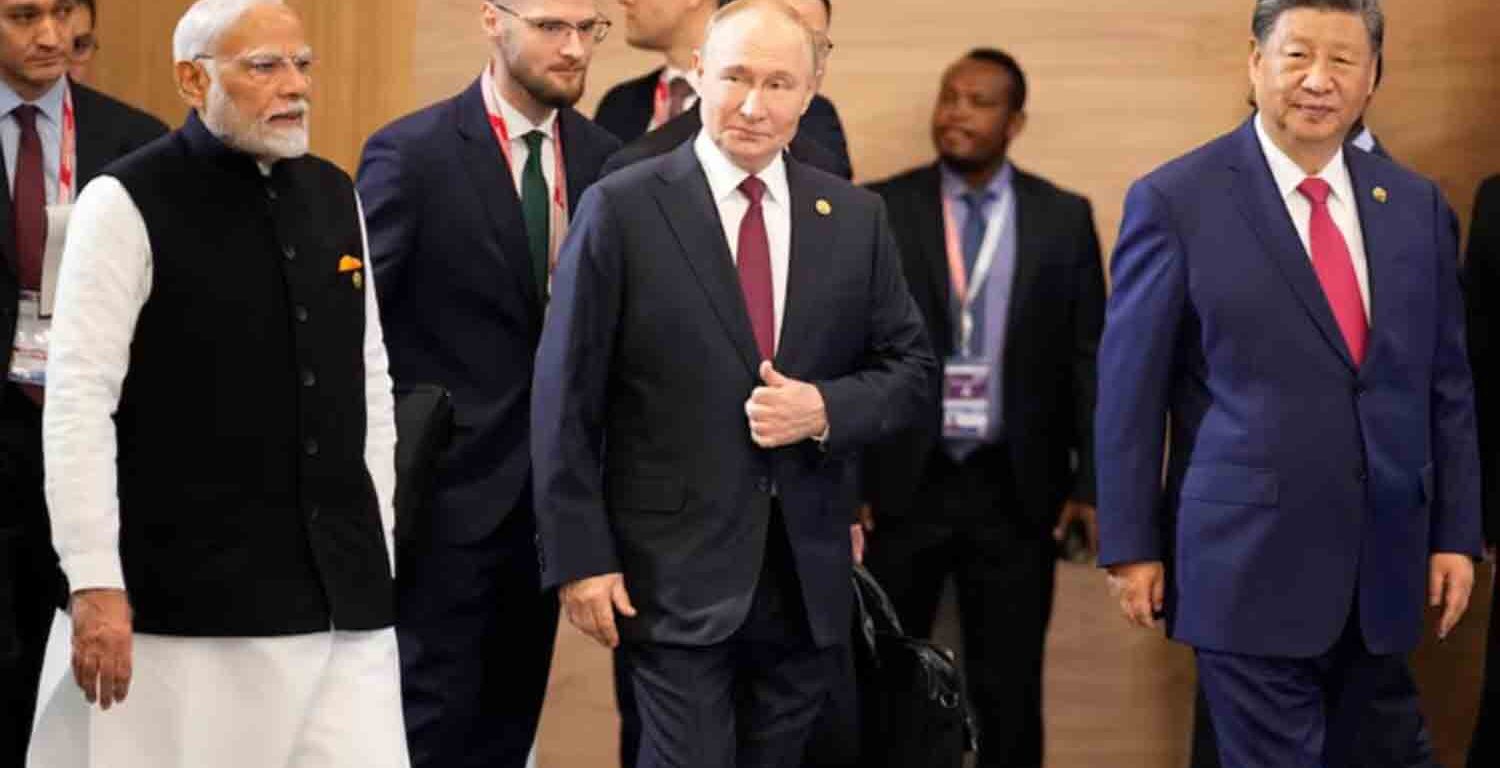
(349, 264)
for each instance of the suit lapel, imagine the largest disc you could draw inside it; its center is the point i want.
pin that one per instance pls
(7, 235)
(577, 157)
(689, 208)
(1029, 247)
(814, 240)
(932, 232)
(491, 179)
(94, 149)
(1381, 239)
(1260, 203)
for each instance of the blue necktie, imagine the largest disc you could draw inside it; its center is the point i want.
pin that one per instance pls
(975, 224)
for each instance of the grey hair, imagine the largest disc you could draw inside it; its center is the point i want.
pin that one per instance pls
(199, 29)
(1268, 11)
(779, 7)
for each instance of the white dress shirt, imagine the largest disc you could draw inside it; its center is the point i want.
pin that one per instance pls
(518, 125)
(724, 178)
(1342, 204)
(104, 282)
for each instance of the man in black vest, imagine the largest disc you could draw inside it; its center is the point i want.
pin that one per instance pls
(467, 201)
(35, 98)
(219, 431)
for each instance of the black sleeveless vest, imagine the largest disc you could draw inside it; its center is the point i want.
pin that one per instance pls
(245, 505)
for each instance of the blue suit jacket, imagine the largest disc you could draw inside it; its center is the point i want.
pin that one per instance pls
(1297, 486)
(644, 461)
(458, 301)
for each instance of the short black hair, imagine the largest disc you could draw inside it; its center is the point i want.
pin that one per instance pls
(1268, 11)
(1008, 63)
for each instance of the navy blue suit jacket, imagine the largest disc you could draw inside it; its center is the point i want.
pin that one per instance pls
(644, 460)
(627, 108)
(1298, 486)
(458, 302)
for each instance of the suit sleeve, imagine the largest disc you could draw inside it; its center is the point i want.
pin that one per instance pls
(1482, 282)
(386, 189)
(1455, 447)
(1088, 323)
(891, 391)
(1135, 362)
(821, 124)
(614, 114)
(568, 399)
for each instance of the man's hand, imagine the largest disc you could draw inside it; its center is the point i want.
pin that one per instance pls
(1141, 588)
(1084, 513)
(1450, 580)
(857, 532)
(784, 411)
(591, 604)
(101, 644)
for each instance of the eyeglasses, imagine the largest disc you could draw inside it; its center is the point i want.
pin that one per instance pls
(556, 30)
(269, 66)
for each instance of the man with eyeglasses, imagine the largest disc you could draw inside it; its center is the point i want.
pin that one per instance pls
(220, 434)
(85, 42)
(467, 202)
(662, 98)
(56, 135)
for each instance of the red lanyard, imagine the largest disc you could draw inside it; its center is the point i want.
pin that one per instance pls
(69, 149)
(659, 104)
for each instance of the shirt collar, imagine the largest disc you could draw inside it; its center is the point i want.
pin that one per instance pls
(516, 123)
(724, 177)
(954, 186)
(50, 103)
(1288, 174)
(670, 73)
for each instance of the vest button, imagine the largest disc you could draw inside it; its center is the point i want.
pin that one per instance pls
(309, 379)
(271, 192)
(290, 253)
(312, 512)
(300, 312)
(310, 447)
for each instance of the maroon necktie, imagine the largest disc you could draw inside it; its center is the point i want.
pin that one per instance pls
(29, 201)
(1335, 268)
(754, 261)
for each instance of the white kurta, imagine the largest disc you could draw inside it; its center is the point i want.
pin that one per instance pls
(322, 699)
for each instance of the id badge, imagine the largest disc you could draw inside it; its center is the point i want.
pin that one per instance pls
(966, 400)
(29, 361)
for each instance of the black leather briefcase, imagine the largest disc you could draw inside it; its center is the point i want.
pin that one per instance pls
(913, 709)
(424, 425)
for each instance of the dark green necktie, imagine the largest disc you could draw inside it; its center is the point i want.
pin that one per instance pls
(536, 205)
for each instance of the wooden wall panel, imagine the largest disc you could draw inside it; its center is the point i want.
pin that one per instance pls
(363, 77)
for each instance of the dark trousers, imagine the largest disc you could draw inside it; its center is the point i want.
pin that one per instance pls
(968, 524)
(30, 582)
(476, 634)
(1484, 750)
(1338, 710)
(748, 702)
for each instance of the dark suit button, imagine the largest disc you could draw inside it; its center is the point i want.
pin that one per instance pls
(271, 192)
(1362, 475)
(300, 312)
(310, 447)
(290, 253)
(312, 512)
(763, 484)
(309, 379)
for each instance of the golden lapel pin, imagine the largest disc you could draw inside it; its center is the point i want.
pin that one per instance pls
(359, 281)
(1380, 194)
(823, 207)
(356, 269)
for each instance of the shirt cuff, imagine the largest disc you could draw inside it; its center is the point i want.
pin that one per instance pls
(94, 571)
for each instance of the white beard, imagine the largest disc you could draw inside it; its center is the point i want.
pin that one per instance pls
(248, 135)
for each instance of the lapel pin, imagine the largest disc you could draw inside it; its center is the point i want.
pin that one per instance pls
(1380, 195)
(359, 281)
(823, 207)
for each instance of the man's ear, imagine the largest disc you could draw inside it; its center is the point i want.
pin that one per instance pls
(193, 83)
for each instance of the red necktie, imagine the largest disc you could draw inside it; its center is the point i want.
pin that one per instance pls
(754, 262)
(29, 201)
(1335, 269)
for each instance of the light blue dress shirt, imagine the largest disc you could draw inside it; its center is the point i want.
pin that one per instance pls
(48, 127)
(997, 289)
